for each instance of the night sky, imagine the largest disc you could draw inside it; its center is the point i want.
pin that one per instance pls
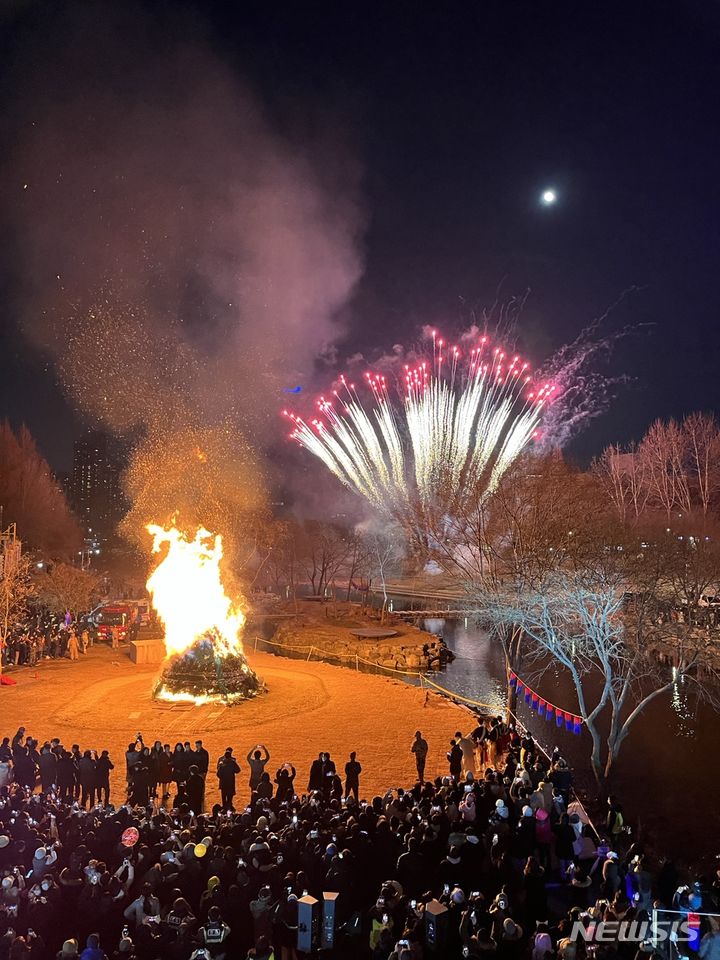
(451, 120)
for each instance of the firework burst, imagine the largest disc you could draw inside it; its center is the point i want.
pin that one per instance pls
(460, 420)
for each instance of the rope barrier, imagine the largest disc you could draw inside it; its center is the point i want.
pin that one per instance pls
(339, 656)
(459, 696)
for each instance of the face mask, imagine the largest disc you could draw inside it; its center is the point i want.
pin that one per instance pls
(45, 886)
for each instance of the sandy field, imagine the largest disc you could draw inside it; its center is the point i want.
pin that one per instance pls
(103, 699)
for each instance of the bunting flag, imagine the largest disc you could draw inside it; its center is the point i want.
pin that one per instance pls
(571, 722)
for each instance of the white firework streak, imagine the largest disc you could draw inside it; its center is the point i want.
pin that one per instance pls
(447, 440)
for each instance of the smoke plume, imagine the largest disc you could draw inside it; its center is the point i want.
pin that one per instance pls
(183, 258)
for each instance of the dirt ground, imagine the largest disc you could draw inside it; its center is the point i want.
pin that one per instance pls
(103, 699)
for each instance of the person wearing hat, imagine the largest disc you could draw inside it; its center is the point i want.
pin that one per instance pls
(510, 942)
(43, 861)
(213, 896)
(501, 814)
(69, 950)
(542, 942)
(524, 842)
(10, 894)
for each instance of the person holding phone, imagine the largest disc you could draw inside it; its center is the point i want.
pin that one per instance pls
(257, 758)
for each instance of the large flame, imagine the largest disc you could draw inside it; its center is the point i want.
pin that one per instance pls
(188, 594)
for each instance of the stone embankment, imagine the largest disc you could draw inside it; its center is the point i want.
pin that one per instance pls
(334, 632)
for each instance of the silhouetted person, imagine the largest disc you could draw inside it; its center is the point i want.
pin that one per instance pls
(103, 766)
(202, 758)
(455, 758)
(352, 776)
(420, 749)
(315, 780)
(195, 789)
(227, 769)
(88, 779)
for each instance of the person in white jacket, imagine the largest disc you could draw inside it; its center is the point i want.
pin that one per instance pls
(6, 774)
(146, 905)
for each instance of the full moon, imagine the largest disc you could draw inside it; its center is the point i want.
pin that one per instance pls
(548, 197)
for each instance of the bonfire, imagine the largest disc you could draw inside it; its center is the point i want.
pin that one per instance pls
(203, 627)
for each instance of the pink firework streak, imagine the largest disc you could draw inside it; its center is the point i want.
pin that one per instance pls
(461, 419)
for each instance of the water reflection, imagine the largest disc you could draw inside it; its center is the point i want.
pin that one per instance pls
(477, 670)
(663, 769)
(680, 704)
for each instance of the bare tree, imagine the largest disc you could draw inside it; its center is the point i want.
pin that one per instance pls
(702, 446)
(623, 475)
(675, 470)
(322, 553)
(542, 517)
(656, 451)
(359, 559)
(611, 658)
(385, 553)
(17, 591)
(62, 587)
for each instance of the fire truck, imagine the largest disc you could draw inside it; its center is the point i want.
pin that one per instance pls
(121, 615)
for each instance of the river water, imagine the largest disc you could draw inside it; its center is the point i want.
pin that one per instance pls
(668, 773)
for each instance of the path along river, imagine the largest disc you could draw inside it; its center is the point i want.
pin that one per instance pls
(668, 773)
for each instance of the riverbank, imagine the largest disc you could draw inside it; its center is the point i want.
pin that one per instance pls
(103, 699)
(343, 631)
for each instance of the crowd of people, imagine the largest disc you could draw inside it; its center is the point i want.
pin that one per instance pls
(52, 637)
(497, 853)
(47, 637)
